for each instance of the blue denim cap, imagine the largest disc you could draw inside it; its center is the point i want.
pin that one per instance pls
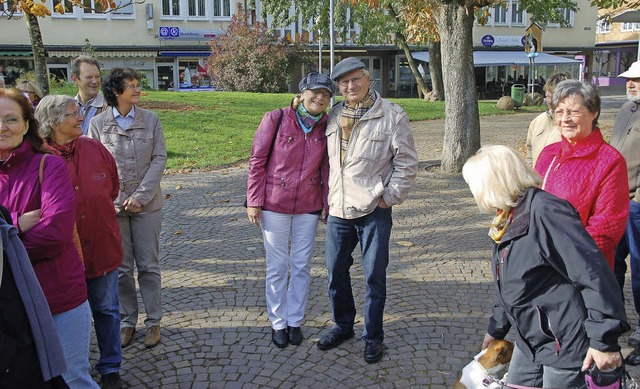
(315, 81)
(345, 66)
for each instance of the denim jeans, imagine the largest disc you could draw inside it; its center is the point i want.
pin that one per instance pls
(630, 245)
(526, 373)
(103, 299)
(343, 235)
(288, 242)
(74, 329)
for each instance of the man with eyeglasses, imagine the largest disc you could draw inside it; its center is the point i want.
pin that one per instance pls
(626, 139)
(372, 166)
(85, 73)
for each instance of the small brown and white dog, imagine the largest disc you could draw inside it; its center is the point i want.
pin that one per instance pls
(491, 361)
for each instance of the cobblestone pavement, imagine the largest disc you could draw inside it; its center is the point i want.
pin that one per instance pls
(215, 332)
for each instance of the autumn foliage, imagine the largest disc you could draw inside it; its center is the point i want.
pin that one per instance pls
(252, 59)
(39, 8)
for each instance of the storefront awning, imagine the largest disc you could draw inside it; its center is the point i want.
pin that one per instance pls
(103, 54)
(507, 58)
(185, 53)
(15, 54)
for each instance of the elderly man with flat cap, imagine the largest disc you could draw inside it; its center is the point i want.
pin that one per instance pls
(372, 166)
(626, 139)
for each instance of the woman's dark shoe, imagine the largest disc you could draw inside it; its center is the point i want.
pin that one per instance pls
(334, 338)
(295, 335)
(279, 338)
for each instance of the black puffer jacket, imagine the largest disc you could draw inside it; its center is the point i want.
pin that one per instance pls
(554, 286)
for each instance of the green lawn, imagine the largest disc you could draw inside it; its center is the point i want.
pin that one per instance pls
(205, 130)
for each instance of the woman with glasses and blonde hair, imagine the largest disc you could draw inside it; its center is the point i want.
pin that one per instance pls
(94, 177)
(31, 91)
(553, 285)
(38, 193)
(286, 195)
(134, 137)
(584, 169)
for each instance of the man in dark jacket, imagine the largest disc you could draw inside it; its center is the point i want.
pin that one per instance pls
(626, 139)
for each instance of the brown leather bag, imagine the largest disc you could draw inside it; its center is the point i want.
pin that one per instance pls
(76, 237)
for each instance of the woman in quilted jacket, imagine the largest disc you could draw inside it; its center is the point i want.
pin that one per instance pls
(584, 169)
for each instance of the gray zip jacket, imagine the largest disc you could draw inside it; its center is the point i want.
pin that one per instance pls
(140, 155)
(381, 160)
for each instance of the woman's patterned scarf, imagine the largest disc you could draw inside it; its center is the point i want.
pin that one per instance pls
(500, 224)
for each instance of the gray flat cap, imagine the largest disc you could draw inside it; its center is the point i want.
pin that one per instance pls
(315, 81)
(345, 66)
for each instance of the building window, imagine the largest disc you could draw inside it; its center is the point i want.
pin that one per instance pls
(196, 8)
(61, 6)
(92, 7)
(221, 8)
(171, 7)
(626, 27)
(126, 10)
(499, 15)
(603, 27)
(517, 15)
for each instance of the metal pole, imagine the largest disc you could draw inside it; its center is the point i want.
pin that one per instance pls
(319, 53)
(331, 21)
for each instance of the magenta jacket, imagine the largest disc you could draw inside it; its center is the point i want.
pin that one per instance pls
(294, 178)
(49, 243)
(592, 176)
(94, 176)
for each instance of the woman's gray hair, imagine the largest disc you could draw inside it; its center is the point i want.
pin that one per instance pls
(497, 176)
(572, 88)
(50, 111)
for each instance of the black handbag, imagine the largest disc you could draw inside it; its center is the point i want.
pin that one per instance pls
(273, 142)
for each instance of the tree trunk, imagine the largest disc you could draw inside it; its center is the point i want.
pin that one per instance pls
(402, 40)
(462, 122)
(435, 69)
(37, 46)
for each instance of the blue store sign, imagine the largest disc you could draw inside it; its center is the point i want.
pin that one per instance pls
(488, 40)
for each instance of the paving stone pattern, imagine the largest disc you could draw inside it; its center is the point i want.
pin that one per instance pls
(215, 331)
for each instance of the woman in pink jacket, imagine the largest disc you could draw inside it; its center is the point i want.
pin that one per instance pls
(584, 169)
(286, 195)
(44, 215)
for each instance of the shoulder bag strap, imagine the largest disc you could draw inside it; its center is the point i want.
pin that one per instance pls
(275, 135)
(41, 169)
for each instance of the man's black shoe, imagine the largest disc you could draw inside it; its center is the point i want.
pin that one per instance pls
(373, 351)
(279, 338)
(295, 335)
(334, 338)
(111, 381)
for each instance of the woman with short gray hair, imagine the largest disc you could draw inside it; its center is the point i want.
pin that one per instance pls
(584, 169)
(565, 319)
(94, 176)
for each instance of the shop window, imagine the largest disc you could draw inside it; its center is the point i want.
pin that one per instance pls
(8, 7)
(170, 7)
(222, 8)
(193, 74)
(196, 8)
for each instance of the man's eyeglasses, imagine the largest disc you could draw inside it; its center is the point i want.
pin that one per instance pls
(573, 113)
(355, 80)
(10, 121)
